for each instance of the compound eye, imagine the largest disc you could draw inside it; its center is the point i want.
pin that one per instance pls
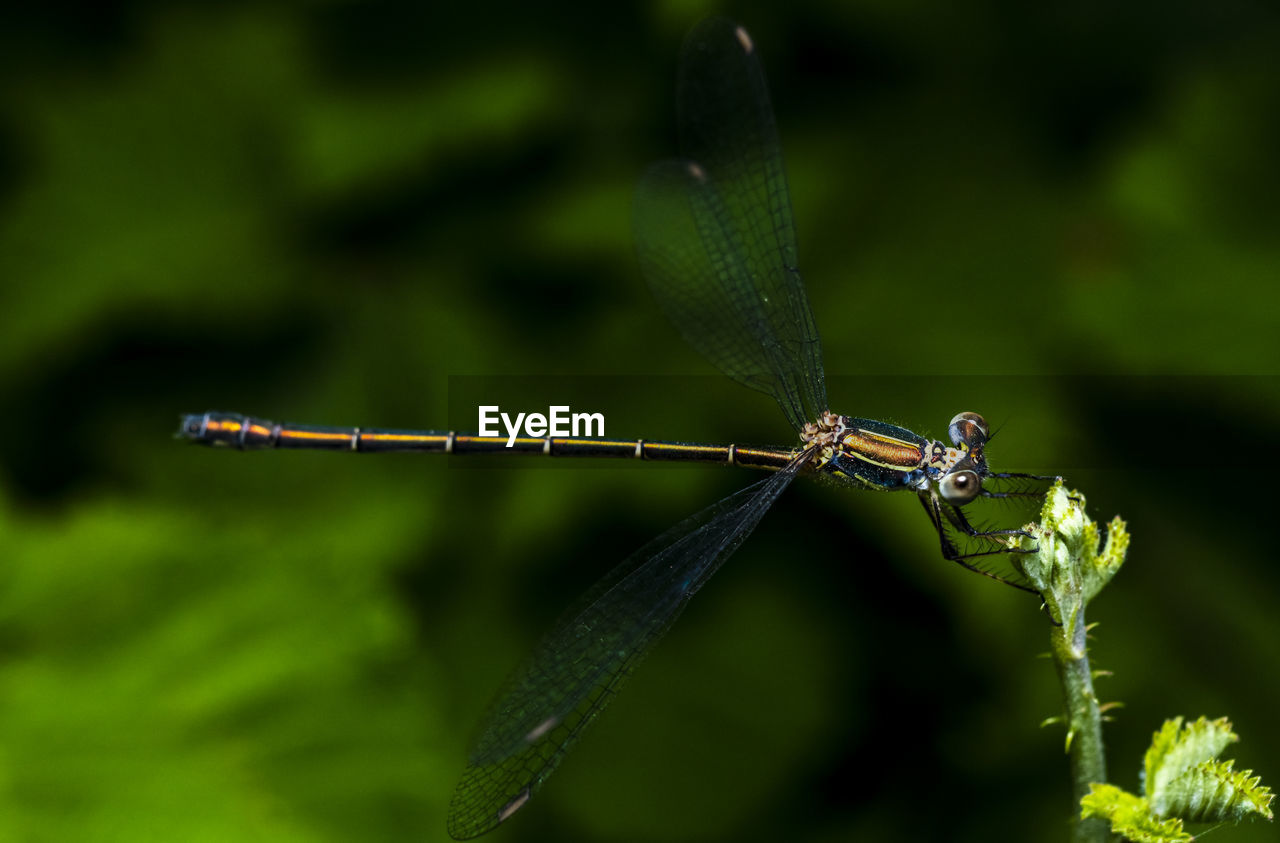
(960, 487)
(969, 429)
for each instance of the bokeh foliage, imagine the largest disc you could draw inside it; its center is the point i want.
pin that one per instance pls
(1060, 216)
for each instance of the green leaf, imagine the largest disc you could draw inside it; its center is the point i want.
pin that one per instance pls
(1212, 792)
(1101, 567)
(1130, 816)
(1183, 782)
(1175, 749)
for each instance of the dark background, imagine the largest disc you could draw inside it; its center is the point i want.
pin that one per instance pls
(341, 213)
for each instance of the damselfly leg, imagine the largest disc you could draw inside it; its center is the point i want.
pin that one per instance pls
(946, 516)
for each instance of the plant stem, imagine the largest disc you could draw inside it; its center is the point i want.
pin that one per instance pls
(1067, 563)
(1084, 721)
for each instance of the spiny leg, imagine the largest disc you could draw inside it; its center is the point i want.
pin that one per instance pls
(957, 519)
(1015, 475)
(952, 553)
(935, 510)
(989, 494)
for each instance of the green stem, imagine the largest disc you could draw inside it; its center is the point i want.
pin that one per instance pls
(1064, 558)
(1084, 721)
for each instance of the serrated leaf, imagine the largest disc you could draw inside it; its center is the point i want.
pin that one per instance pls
(1130, 816)
(1099, 568)
(1212, 792)
(1175, 749)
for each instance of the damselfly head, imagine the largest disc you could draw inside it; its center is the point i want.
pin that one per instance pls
(962, 482)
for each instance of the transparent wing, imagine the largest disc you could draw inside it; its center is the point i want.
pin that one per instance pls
(575, 671)
(714, 231)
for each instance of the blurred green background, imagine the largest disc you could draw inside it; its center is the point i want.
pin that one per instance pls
(345, 213)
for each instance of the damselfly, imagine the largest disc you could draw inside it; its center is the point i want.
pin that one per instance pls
(717, 245)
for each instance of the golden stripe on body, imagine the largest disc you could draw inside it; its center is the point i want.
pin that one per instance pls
(404, 438)
(223, 426)
(710, 453)
(764, 458)
(877, 449)
(254, 433)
